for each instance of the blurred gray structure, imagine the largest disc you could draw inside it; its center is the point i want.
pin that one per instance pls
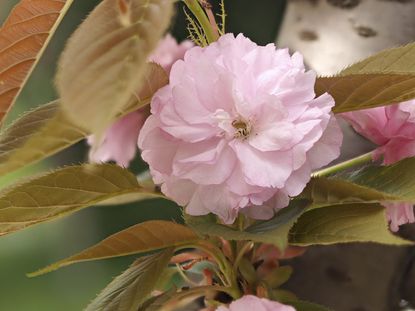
(332, 34)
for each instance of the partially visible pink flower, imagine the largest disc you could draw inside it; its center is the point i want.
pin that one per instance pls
(238, 129)
(399, 213)
(119, 143)
(253, 303)
(169, 51)
(392, 128)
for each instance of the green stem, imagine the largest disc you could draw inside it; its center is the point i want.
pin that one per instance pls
(224, 265)
(247, 246)
(203, 20)
(367, 157)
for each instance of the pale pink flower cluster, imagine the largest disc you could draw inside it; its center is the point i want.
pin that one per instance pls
(119, 143)
(238, 128)
(253, 303)
(392, 128)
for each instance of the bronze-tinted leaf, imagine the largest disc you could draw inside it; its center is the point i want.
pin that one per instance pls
(141, 238)
(23, 38)
(36, 135)
(363, 91)
(62, 192)
(385, 78)
(105, 60)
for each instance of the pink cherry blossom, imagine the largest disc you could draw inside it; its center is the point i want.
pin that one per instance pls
(238, 128)
(169, 51)
(392, 128)
(250, 303)
(399, 213)
(119, 143)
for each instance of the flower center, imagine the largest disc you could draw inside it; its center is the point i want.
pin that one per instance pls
(243, 128)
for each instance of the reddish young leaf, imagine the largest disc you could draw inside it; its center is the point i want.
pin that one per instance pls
(23, 38)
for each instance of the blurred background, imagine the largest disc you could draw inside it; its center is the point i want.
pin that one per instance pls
(330, 34)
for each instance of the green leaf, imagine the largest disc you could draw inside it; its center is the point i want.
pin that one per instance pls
(363, 91)
(141, 238)
(156, 303)
(344, 224)
(370, 184)
(279, 276)
(285, 216)
(274, 231)
(104, 62)
(248, 271)
(282, 295)
(186, 295)
(385, 78)
(300, 305)
(63, 192)
(396, 60)
(128, 291)
(36, 135)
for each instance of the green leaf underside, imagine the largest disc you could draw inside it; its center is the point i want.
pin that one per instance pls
(274, 231)
(367, 185)
(62, 192)
(343, 224)
(131, 289)
(141, 238)
(286, 215)
(36, 135)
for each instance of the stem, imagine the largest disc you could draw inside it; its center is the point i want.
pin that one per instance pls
(241, 254)
(212, 21)
(362, 159)
(203, 20)
(224, 265)
(184, 276)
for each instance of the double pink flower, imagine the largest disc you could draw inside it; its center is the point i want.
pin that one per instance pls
(238, 128)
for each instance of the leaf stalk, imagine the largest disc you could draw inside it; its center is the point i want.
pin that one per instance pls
(362, 159)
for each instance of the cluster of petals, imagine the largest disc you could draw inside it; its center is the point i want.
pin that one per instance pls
(392, 128)
(250, 303)
(119, 143)
(238, 128)
(399, 213)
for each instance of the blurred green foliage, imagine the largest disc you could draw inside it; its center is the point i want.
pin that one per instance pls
(73, 287)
